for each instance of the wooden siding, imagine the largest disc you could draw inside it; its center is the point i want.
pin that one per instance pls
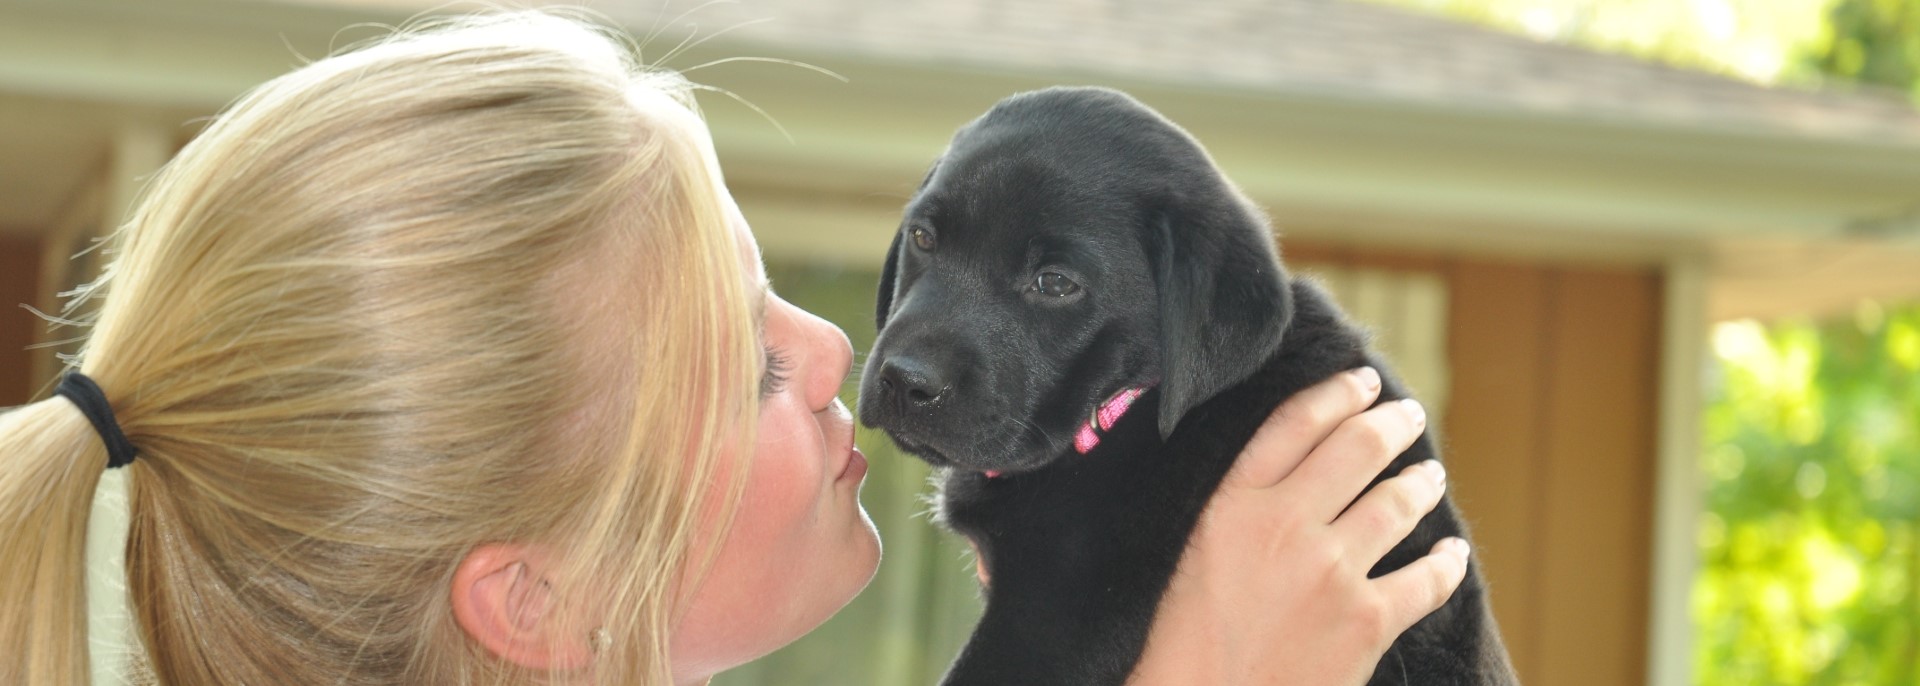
(19, 285)
(1550, 441)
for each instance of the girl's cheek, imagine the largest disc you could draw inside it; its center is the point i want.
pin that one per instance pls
(784, 479)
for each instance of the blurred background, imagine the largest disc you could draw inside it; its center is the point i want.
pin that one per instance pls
(1655, 264)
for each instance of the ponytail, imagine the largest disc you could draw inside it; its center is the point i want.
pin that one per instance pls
(50, 461)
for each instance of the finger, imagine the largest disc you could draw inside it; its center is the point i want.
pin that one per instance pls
(1351, 457)
(1301, 423)
(1416, 590)
(1385, 515)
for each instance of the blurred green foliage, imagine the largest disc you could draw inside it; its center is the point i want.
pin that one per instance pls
(1810, 548)
(1872, 41)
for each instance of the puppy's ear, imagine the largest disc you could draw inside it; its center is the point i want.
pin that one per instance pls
(888, 273)
(1224, 300)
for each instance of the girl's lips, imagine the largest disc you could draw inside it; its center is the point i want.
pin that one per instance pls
(856, 467)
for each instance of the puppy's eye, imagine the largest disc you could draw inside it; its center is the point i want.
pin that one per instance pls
(1055, 284)
(921, 237)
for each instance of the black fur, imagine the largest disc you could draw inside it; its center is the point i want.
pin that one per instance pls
(978, 369)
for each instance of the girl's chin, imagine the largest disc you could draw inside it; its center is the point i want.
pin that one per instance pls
(709, 645)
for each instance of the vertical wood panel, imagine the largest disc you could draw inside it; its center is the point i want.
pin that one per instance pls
(1405, 312)
(1422, 339)
(19, 285)
(1596, 516)
(1497, 348)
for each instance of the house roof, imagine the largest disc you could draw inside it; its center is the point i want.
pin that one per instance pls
(1357, 124)
(1333, 48)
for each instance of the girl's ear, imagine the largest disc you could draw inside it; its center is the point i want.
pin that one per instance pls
(504, 600)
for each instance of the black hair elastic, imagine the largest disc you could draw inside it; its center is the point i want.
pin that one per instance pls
(93, 403)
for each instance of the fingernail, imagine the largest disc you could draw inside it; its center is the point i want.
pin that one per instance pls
(1415, 411)
(1458, 546)
(1436, 471)
(1369, 377)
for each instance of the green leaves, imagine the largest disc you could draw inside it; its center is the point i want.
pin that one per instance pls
(1872, 41)
(1810, 549)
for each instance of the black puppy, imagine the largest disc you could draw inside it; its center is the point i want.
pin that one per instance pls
(1082, 322)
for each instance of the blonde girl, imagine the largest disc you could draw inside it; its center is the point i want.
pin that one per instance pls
(449, 360)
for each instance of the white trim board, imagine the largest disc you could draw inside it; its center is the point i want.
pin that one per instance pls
(1678, 496)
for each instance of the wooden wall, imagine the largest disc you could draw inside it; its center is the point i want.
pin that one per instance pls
(19, 284)
(1550, 442)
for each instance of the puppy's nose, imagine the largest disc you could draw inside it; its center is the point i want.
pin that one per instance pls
(911, 382)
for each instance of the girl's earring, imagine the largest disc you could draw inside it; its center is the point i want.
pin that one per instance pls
(599, 640)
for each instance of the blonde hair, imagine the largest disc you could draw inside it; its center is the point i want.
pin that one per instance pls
(470, 283)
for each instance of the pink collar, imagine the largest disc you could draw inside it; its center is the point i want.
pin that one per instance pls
(1104, 418)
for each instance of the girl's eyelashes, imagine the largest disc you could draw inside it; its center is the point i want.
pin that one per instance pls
(775, 378)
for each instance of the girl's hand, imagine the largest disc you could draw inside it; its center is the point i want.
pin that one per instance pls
(1273, 588)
